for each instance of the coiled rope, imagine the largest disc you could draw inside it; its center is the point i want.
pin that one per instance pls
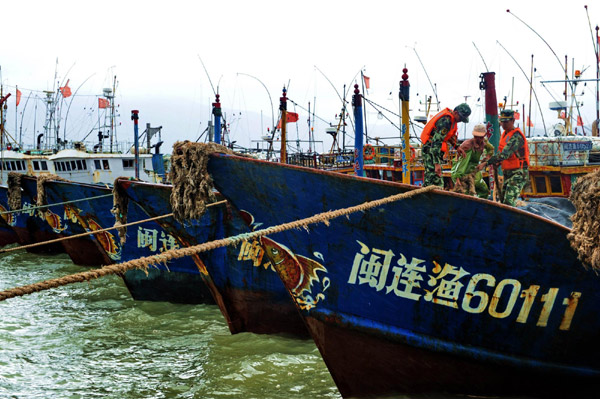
(585, 233)
(143, 263)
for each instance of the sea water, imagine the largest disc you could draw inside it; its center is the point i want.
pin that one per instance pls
(91, 340)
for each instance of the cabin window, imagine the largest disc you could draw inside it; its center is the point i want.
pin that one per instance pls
(84, 164)
(73, 165)
(59, 167)
(7, 166)
(44, 165)
(97, 164)
(36, 165)
(555, 184)
(128, 163)
(105, 164)
(79, 165)
(12, 165)
(68, 165)
(540, 184)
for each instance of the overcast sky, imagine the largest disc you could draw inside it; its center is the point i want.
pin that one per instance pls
(154, 49)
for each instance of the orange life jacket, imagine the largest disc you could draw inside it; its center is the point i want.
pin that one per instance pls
(515, 161)
(426, 133)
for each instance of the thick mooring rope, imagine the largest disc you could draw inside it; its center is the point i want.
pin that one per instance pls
(585, 233)
(143, 263)
(14, 190)
(41, 190)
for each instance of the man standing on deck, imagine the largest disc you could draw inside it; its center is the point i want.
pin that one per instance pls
(437, 133)
(513, 156)
(465, 174)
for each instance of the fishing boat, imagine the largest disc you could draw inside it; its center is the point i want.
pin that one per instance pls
(438, 292)
(77, 161)
(244, 283)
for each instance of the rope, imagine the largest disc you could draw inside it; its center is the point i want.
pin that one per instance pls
(143, 263)
(120, 226)
(55, 204)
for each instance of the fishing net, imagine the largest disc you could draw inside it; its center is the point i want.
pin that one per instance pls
(119, 209)
(192, 185)
(14, 190)
(585, 234)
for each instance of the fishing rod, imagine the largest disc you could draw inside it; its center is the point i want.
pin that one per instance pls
(596, 44)
(478, 52)
(529, 81)
(428, 79)
(544, 40)
(563, 67)
(69, 107)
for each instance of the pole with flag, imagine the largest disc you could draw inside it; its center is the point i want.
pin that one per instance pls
(358, 134)
(217, 112)
(136, 143)
(283, 109)
(404, 95)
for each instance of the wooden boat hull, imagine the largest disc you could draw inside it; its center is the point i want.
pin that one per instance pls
(251, 296)
(436, 293)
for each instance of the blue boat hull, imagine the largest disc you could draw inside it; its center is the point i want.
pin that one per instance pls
(249, 293)
(178, 281)
(436, 293)
(29, 225)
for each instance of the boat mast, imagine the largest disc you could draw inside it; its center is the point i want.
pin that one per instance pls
(283, 109)
(404, 96)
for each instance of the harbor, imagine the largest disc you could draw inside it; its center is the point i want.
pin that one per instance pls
(399, 234)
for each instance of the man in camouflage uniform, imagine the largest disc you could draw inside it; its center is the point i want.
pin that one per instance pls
(514, 157)
(440, 130)
(467, 178)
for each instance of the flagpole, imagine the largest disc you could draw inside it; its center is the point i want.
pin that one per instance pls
(404, 96)
(17, 111)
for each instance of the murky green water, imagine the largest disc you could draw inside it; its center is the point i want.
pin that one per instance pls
(92, 340)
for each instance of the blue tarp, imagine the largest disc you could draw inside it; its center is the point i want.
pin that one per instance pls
(557, 209)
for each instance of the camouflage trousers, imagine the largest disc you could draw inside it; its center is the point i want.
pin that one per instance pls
(431, 178)
(514, 181)
(472, 184)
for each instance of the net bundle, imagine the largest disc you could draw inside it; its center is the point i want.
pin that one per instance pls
(192, 184)
(585, 233)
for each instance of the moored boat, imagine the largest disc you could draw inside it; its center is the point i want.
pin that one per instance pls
(435, 293)
(248, 291)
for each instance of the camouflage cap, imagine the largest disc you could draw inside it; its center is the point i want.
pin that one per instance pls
(507, 114)
(464, 111)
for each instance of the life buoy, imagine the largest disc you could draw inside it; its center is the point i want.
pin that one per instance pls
(368, 152)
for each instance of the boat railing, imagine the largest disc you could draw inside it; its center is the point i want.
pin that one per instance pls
(121, 147)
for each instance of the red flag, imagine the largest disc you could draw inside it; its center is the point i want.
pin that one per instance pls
(367, 80)
(579, 121)
(517, 116)
(18, 97)
(291, 117)
(529, 123)
(103, 103)
(66, 90)
(562, 115)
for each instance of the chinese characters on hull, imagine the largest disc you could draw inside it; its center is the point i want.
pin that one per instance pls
(455, 287)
